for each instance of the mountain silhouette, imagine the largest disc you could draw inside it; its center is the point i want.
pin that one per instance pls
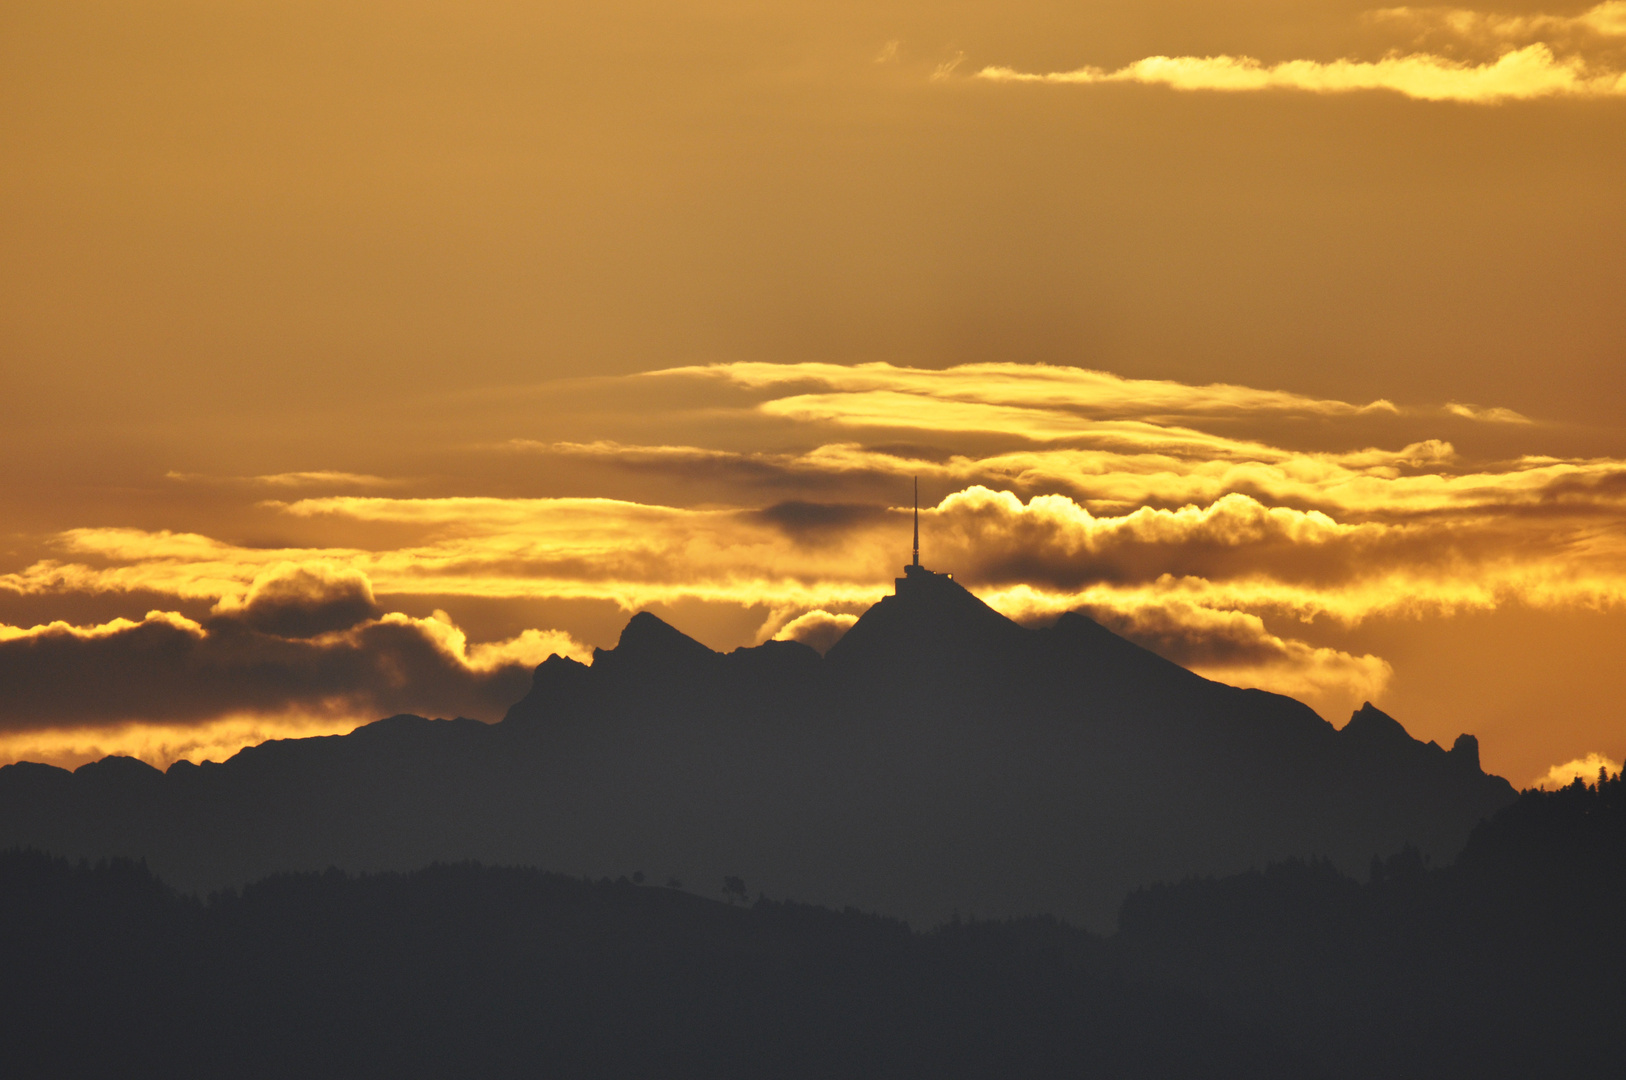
(939, 758)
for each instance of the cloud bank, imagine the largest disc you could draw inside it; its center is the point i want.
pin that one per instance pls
(1164, 510)
(303, 647)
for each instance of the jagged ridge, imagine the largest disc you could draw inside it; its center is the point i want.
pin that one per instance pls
(941, 757)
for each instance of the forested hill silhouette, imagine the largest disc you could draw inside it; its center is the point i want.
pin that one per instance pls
(1501, 966)
(941, 757)
(1505, 964)
(492, 972)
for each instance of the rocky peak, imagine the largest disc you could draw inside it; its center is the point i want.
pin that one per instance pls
(1373, 726)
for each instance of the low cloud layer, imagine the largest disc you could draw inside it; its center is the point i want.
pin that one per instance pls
(1539, 551)
(1197, 582)
(1163, 510)
(1235, 647)
(1555, 61)
(819, 628)
(304, 647)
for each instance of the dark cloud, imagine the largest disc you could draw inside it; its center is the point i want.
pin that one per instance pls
(994, 539)
(302, 601)
(168, 669)
(1237, 647)
(808, 521)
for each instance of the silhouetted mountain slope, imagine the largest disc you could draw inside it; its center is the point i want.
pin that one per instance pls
(1509, 963)
(940, 757)
(461, 971)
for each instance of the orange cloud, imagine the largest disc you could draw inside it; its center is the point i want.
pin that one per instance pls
(1114, 470)
(1040, 386)
(1494, 415)
(1218, 570)
(160, 744)
(320, 478)
(1420, 542)
(1210, 547)
(1585, 769)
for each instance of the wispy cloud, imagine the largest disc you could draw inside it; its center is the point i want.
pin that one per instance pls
(1045, 386)
(1043, 403)
(1494, 415)
(1606, 20)
(328, 478)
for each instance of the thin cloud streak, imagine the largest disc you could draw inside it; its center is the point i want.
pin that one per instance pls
(1099, 393)
(318, 478)
(1530, 57)
(1521, 74)
(1493, 415)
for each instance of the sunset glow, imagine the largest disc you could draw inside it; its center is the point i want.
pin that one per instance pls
(356, 358)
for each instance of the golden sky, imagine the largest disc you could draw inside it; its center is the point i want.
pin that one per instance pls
(355, 356)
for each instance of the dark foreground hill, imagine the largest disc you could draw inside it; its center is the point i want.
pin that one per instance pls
(463, 971)
(939, 758)
(1509, 963)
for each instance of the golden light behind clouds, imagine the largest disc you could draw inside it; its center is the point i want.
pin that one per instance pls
(1221, 551)
(321, 318)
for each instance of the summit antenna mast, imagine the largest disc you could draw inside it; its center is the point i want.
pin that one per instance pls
(917, 521)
